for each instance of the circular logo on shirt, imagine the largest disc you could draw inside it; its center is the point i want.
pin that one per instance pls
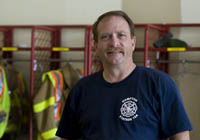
(128, 109)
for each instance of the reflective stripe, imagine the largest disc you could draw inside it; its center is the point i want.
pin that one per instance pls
(49, 134)
(1, 83)
(43, 105)
(44, 77)
(57, 81)
(51, 76)
(59, 95)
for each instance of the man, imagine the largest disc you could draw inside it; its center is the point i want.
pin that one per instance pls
(123, 101)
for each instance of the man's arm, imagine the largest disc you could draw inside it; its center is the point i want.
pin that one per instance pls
(181, 136)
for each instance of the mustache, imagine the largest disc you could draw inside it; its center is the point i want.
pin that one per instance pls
(115, 49)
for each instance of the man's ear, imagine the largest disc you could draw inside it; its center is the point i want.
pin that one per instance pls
(133, 41)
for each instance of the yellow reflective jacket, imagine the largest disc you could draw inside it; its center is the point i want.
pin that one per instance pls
(48, 103)
(4, 102)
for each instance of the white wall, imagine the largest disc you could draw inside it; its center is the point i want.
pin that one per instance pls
(190, 11)
(189, 82)
(153, 11)
(23, 12)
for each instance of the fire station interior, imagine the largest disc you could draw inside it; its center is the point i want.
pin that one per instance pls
(37, 37)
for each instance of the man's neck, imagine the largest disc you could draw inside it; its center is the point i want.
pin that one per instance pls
(113, 74)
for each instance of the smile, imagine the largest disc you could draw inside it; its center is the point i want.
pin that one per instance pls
(114, 52)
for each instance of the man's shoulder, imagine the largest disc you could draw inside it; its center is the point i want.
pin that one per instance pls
(84, 84)
(89, 78)
(156, 76)
(151, 72)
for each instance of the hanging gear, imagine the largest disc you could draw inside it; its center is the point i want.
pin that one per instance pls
(176, 43)
(163, 41)
(168, 41)
(4, 102)
(18, 103)
(50, 99)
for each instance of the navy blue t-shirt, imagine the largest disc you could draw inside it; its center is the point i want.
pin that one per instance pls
(144, 106)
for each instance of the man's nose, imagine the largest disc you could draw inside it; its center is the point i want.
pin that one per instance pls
(115, 41)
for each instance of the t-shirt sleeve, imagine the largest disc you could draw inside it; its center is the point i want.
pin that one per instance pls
(174, 118)
(68, 127)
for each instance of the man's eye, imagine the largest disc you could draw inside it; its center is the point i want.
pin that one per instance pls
(105, 37)
(121, 35)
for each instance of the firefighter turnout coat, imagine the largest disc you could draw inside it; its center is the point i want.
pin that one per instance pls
(19, 101)
(4, 102)
(48, 103)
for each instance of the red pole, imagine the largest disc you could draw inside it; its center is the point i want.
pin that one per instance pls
(90, 51)
(86, 53)
(31, 83)
(8, 41)
(55, 41)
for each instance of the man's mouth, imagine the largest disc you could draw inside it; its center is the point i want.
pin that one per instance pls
(115, 51)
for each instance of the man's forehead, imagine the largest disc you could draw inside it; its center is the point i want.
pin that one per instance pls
(110, 19)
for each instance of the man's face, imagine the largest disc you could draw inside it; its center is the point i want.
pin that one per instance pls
(115, 45)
